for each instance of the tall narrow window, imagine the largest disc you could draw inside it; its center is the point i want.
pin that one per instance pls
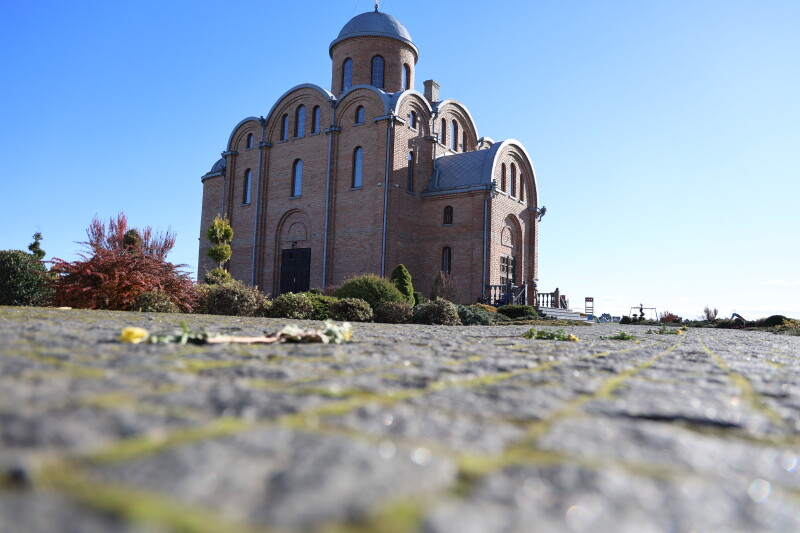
(503, 177)
(347, 74)
(297, 178)
(248, 178)
(249, 141)
(443, 140)
(410, 176)
(358, 163)
(447, 259)
(522, 186)
(377, 72)
(454, 136)
(360, 114)
(513, 179)
(412, 120)
(406, 82)
(448, 215)
(300, 121)
(315, 119)
(285, 127)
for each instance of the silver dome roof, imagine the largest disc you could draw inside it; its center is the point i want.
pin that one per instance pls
(374, 24)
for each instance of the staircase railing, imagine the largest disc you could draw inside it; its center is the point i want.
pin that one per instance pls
(498, 295)
(552, 300)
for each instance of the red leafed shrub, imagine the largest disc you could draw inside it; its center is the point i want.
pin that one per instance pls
(121, 264)
(668, 318)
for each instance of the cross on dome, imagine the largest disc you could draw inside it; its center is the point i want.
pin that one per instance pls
(377, 2)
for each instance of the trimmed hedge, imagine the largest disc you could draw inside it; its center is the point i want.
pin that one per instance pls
(518, 311)
(292, 305)
(371, 288)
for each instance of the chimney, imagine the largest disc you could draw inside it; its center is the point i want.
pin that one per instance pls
(431, 91)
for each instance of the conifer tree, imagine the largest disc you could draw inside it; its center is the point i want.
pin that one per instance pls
(220, 234)
(401, 279)
(34, 247)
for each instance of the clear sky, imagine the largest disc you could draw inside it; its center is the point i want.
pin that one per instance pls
(665, 134)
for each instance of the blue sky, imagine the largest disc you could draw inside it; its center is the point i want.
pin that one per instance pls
(665, 134)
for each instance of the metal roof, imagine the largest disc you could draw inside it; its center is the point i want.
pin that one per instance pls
(465, 170)
(374, 24)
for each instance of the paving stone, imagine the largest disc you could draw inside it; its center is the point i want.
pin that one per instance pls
(408, 429)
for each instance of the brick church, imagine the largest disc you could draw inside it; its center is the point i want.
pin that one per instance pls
(371, 173)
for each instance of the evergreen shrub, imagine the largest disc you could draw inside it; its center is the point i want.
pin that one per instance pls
(322, 305)
(232, 299)
(154, 302)
(437, 312)
(371, 288)
(401, 279)
(477, 315)
(352, 310)
(518, 311)
(23, 279)
(292, 305)
(393, 313)
(218, 276)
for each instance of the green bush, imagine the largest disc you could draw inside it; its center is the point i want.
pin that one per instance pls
(322, 305)
(218, 276)
(232, 299)
(402, 280)
(437, 312)
(23, 279)
(154, 302)
(292, 305)
(393, 313)
(371, 288)
(477, 315)
(518, 311)
(418, 298)
(625, 320)
(351, 310)
(769, 322)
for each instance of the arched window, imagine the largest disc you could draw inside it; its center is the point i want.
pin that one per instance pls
(315, 119)
(248, 178)
(360, 114)
(448, 215)
(503, 177)
(443, 140)
(358, 164)
(447, 259)
(513, 179)
(347, 74)
(377, 72)
(300, 121)
(285, 127)
(249, 143)
(297, 178)
(412, 120)
(410, 175)
(454, 136)
(406, 81)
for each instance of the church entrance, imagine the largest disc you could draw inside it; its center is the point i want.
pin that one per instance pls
(295, 270)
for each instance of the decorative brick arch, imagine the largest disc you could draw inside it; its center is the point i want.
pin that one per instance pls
(294, 232)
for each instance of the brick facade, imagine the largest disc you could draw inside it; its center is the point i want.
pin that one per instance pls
(394, 215)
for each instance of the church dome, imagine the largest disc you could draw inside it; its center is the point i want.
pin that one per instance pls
(374, 24)
(219, 166)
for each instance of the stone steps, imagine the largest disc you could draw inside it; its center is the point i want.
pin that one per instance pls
(562, 314)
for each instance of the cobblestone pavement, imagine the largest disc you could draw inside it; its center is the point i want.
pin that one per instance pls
(410, 428)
